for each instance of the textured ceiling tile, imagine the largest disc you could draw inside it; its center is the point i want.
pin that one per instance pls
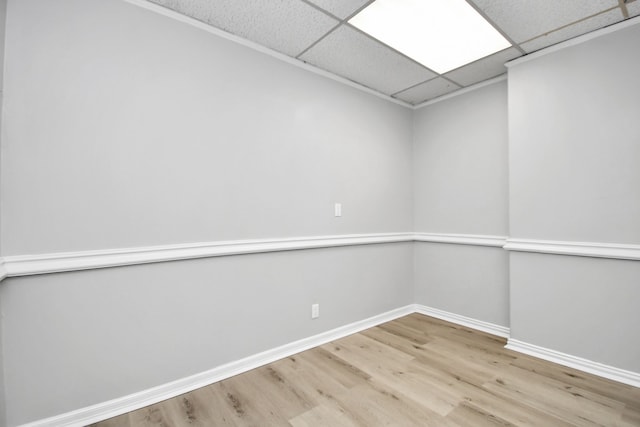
(575, 30)
(483, 69)
(525, 19)
(340, 8)
(288, 26)
(426, 91)
(348, 53)
(634, 8)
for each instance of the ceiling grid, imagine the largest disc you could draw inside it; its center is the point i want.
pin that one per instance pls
(318, 32)
(343, 20)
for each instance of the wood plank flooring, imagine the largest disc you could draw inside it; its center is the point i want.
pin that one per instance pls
(413, 371)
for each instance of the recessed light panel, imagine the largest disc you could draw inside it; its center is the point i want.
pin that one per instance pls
(440, 34)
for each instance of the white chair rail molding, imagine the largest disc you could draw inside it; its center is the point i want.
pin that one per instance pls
(25, 265)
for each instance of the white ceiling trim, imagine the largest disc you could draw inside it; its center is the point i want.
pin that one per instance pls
(462, 91)
(575, 41)
(260, 48)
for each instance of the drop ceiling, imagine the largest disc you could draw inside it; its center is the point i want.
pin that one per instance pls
(317, 32)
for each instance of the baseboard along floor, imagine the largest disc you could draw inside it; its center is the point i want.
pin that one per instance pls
(414, 370)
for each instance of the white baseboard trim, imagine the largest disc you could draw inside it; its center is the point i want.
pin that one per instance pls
(588, 249)
(585, 365)
(491, 328)
(115, 407)
(462, 239)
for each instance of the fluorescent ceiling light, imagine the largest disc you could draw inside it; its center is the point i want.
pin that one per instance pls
(440, 34)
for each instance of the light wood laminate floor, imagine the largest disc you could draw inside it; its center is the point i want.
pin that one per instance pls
(413, 371)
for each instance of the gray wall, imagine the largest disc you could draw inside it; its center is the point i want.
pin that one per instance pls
(574, 151)
(586, 307)
(81, 338)
(3, 15)
(471, 281)
(126, 128)
(460, 163)
(139, 113)
(460, 187)
(574, 143)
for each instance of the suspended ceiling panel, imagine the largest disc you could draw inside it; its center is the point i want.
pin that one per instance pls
(483, 69)
(317, 32)
(634, 8)
(288, 26)
(582, 27)
(349, 53)
(523, 20)
(428, 90)
(340, 8)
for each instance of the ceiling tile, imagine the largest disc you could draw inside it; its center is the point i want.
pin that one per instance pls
(634, 8)
(483, 69)
(340, 8)
(351, 54)
(525, 19)
(288, 26)
(426, 91)
(574, 30)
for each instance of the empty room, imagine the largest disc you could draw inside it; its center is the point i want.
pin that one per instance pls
(319, 213)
